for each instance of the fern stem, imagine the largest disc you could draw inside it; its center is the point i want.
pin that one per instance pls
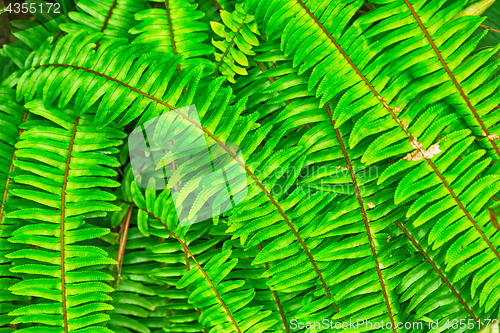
(231, 42)
(11, 167)
(56, 37)
(367, 6)
(276, 297)
(250, 173)
(186, 249)
(108, 16)
(489, 28)
(170, 27)
(60, 32)
(365, 217)
(63, 211)
(217, 4)
(106, 21)
(198, 311)
(206, 277)
(165, 286)
(401, 125)
(436, 269)
(111, 79)
(123, 243)
(457, 85)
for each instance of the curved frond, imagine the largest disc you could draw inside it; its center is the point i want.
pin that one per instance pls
(117, 77)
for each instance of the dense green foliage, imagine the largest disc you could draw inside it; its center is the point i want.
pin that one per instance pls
(370, 142)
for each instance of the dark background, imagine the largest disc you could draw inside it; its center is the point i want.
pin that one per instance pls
(5, 36)
(5, 30)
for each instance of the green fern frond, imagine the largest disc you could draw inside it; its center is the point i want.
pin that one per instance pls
(287, 88)
(424, 279)
(12, 116)
(123, 87)
(202, 280)
(207, 289)
(231, 312)
(401, 133)
(145, 299)
(237, 42)
(331, 169)
(113, 18)
(182, 32)
(248, 140)
(52, 161)
(260, 191)
(464, 77)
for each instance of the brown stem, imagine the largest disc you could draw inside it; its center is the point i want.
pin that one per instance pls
(123, 242)
(63, 211)
(365, 217)
(106, 21)
(436, 269)
(276, 297)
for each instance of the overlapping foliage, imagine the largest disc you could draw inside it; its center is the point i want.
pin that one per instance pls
(369, 138)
